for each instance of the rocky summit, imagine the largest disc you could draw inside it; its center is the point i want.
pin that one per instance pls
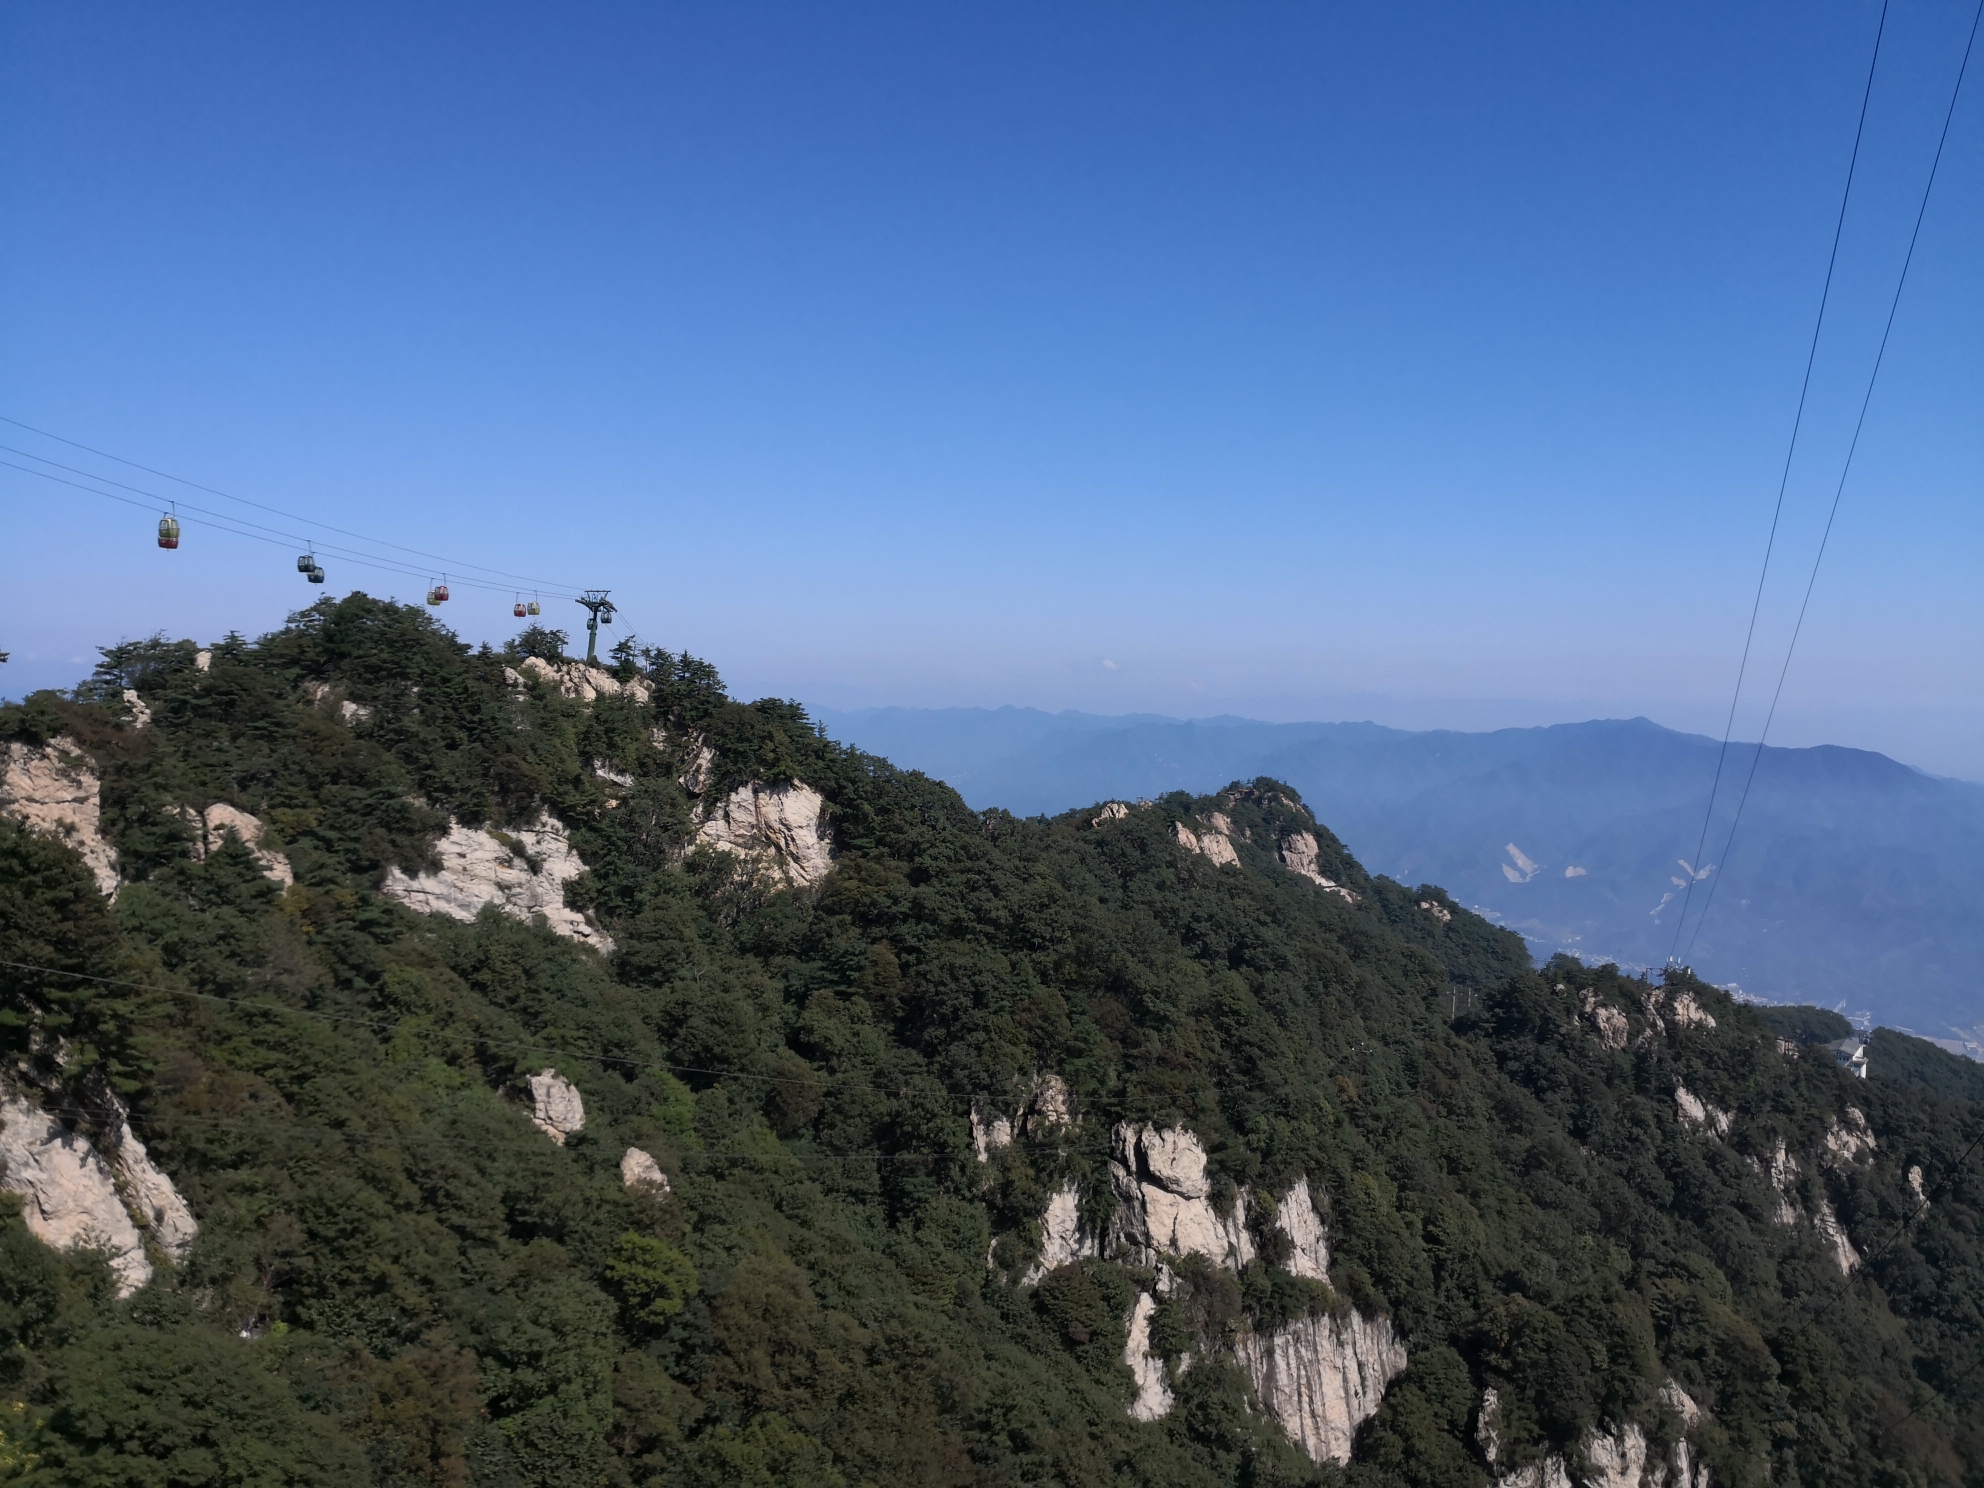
(428, 1065)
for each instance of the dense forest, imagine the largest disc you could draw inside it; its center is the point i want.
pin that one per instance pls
(725, 1143)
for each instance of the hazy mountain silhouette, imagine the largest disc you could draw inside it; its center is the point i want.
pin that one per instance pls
(1854, 879)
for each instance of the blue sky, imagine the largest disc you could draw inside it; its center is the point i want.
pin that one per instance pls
(1431, 364)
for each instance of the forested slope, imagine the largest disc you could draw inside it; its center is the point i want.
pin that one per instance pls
(970, 1135)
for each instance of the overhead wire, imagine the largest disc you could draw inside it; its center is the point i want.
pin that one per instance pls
(1845, 469)
(234, 527)
(1694, 866)
(454, 564)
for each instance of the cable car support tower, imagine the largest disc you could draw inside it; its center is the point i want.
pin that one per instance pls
(601, 607)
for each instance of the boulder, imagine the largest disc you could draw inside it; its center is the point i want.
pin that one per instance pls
(556, 1109)
(640, 1172)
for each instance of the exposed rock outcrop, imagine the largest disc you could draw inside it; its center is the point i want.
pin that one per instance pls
(1322, 1377)
(1698, 1113)
(1050, 1106)
(1111, 811)
(1301, 854)
(1061, 1238)
(1309, 1244)
(210, 829)
(642, 1174)
(556, 1109)
(1164, 1206)
(1785, 1176)
(141, 716)
(1438, 911)
(1153, 1397)
(523, 877)
(53, 788)
(1211, 843)
(1850, 1141)
(988, 1136)
(576, 680)
(781, 833)
(1826, 1221)
(72, 1196)
(148, 1193)
(1606, 1021)
(1617, 1458)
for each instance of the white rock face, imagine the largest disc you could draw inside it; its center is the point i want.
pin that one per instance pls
(1153, 1401)
(1295, 1216)
(1550, 1472)
(157, 1205)
(1061, 1237)
(1687, 1012)
(700, 756)
(476, 869)
(576, 680)
(1210, 843)
(141, 716)
(1163, 1205)
(640, 1172)
(1300, 854)
(987, 1137)
(1680, 1402)
(210, 829)
(1696, 1112)
(52, 788)
(1322, 1378)
(203, 661)
(1615, 1459)
(1111, 811)
(784, 832)
(1438, 911)
(1915, 1182)
(556, 1109)
(1826, 1221)
(68, 1194)
(1848, 1142)
(1784, 1178)
(1050, 1106)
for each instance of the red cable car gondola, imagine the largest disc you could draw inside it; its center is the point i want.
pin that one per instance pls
(168, 532)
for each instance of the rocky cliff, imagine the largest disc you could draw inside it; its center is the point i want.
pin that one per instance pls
(53, 788)
(522, 872)
(72, 1196)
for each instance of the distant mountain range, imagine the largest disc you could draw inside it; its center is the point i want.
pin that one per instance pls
(1854, 882)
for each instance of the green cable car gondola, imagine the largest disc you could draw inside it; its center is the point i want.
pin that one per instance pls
(168, 532)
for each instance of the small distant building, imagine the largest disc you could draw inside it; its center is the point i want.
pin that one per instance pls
(1852, 1055)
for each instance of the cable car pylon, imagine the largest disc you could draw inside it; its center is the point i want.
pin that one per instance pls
(601, 608)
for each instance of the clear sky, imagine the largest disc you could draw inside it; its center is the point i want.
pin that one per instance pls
(1426, 363)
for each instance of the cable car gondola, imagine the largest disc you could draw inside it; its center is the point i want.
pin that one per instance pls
(532, 608)
(168, 532)
(520, 611)
(438, 594)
